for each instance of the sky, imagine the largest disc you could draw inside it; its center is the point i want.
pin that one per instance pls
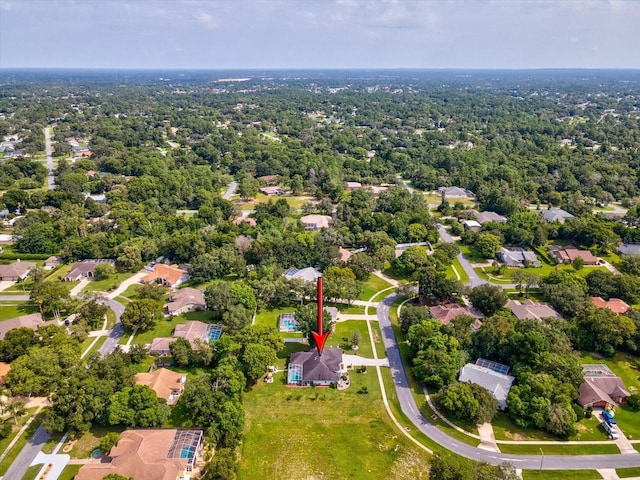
(290, 34)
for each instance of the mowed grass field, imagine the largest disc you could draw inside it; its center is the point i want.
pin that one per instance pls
(321, 433)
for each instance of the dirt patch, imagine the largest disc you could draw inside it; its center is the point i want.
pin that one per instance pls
(69, 445)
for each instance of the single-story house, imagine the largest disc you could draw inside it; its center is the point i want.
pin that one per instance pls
(556, 215)
(308, 368)
(601, 388)
(315, 222)
(192, 330)
(472, 225)
(569, 253)
(531, 310)
(167, 275)
(168, 385)
(629, 249)
(486, 217)
(616, 305)
(149, 454)
(32, 321)
(269, 191)
(15, 271)
(496, 382)
(85, 269)
(447, 312)
(52, 262)
(517, 257)
(185, 300)
(353, 185)
(309, 274)
(455, 192)
(248, 220)
(160, 346)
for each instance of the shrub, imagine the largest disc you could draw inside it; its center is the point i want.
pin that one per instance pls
(634, 402)
(580, 414)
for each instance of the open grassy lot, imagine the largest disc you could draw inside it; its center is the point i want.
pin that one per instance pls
(270, 317)
(561, 474)
(324, 433)
(32, 472)
(11, 310)
(464, 278)
(340, 338)
(629, 422)
(373, 285)
(589, 429)
(347, 309)
(294, 202)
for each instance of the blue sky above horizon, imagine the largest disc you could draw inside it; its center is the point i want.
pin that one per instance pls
(264, 34)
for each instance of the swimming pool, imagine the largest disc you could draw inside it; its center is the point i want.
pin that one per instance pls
(213, 332)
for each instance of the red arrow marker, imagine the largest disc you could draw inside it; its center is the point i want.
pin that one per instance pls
(319, 337)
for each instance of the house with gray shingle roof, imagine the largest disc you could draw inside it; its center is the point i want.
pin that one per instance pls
(556, 215)
(497, 383)
(517, 257)
(310, 369)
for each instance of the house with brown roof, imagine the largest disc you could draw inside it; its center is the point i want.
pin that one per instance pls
(4, 369)
(149, 454)
(15, 271)
(248, 220)
(531, 310)
(315, 222)
(85, 269)
(32, 321)
(486, 217)
(167, 275)
(52, 262)
(185, 300)
(168, 385)
(569, 253)
(616, 305)
(192, 330)
(447, 312)
(601, 388)
(270, 191)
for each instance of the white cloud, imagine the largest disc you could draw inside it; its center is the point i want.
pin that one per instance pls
(207, 20)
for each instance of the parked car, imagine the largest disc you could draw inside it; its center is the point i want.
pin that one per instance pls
(611, 430)
(608, 417)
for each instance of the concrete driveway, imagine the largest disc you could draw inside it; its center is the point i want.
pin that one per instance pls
(358, 361)
(4, 284)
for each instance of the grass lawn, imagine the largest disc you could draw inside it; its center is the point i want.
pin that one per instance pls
(377, 340)
(58, 273)
(343, 331)
(560, 449)
(107, 284)
(69, 472)
(464, 278)
(4, 443)
(96, 346)
(270, 317)
(347, 309)
(626, 366)
(471, 255)
(629, 422)
(561, 474)
(32, 472)
(628, 472)
(11, 310)
(294, 202)
(163, 328)
(325, 428)
(131, 292)
(88, 441)
(372, 286)
(505, 429)
(19, 445)
(285, 354)
(111, 318)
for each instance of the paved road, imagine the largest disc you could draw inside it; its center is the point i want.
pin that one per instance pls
(231, 190)
(51, 182)
(410, 408)
(117, 332)
(27, 454)
(14, 298)
(474, 279)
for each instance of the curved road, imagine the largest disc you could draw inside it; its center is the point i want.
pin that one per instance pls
(530, 462)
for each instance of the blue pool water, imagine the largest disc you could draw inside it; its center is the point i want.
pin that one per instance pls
(214, 332)
(290, 325)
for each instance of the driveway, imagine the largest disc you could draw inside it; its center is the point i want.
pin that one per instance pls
(358, 361)
(133, 280)
(4, 284)
(231, 190)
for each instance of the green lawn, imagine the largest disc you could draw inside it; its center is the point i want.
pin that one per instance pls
(343, 331)
(163, 328)
(4, 443)
(629, 422)
(628, 472)
(19, 445)
(560, 449)
(464, 278)
(372, 286)
(323, 429)
(131, 292)
(270, 317)
(32, 472)
(69, 472)
(11, 310)
(377, 340)
(108, 284)
(561, 474)
(505, 429)
(347, 309)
